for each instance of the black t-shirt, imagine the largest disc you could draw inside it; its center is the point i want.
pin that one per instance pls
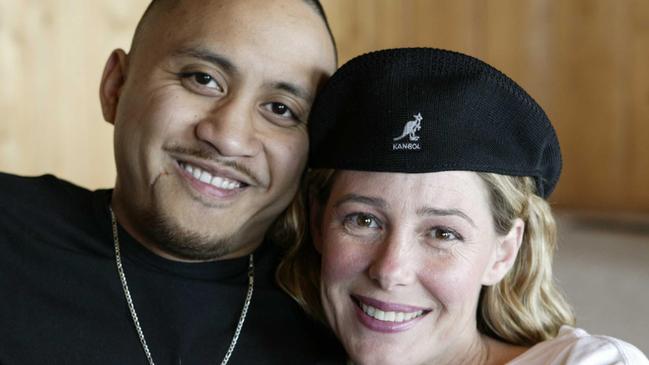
(61, 300)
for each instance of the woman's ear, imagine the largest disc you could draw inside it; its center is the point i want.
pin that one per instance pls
(112, 82)
(315, 220)
(504, 255)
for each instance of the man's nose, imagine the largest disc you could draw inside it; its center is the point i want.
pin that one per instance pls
(394, 264)
(230, 129)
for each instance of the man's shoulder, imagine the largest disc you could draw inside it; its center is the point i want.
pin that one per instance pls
(42, 203)
(20, 190)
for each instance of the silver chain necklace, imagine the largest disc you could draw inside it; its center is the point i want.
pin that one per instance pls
(131, 307)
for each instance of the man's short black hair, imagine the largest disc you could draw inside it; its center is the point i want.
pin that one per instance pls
(314, 4)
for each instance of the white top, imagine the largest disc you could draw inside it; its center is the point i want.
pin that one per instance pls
(574, 346)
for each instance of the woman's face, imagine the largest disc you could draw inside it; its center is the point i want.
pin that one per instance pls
(404, 257)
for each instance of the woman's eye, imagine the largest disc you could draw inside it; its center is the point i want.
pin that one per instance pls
(202, 79)
(444, 234)
(360, 220)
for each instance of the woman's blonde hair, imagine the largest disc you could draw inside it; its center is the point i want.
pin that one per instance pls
(525, 307)
(522, 309)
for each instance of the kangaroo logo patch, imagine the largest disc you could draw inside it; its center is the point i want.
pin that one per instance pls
(409, 130)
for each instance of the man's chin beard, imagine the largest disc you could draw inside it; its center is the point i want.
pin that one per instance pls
(172, 239)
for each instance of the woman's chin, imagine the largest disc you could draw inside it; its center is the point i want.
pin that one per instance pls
(378, 354)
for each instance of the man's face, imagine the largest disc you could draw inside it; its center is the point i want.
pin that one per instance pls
(210, 122)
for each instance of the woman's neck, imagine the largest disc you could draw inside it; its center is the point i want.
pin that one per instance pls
(476, 352)
(481, 350)
(501, 353)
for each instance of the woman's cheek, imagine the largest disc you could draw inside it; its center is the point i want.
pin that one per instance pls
(451, 283)
(341, 260)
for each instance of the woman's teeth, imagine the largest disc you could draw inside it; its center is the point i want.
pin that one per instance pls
(206, 177)
(389, 316)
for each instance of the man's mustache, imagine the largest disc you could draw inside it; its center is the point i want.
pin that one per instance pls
(209, 154)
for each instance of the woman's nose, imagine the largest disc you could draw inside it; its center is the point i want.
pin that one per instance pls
(394, 264)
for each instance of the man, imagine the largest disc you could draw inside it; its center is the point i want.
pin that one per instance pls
(171, 267)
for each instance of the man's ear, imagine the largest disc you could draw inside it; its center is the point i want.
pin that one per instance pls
(112, 81)
(315, 220)
(504, 256)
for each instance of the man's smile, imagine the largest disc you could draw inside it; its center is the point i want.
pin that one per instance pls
(208, 178)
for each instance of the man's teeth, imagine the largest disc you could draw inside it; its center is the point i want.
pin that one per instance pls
(206, 177)
(389, 316)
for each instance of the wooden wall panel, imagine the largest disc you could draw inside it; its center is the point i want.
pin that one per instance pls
(638, 167)
(364, 25)
(589, 100)
(585, 61)
(52, 53)
(595, 105)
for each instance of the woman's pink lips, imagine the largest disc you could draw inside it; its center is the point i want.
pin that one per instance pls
(386, 326)
(388, 307)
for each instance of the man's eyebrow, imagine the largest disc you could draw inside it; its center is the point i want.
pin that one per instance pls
(369, 200)
(223, 62)
(426, 211)
(297, 91)
(208, 56)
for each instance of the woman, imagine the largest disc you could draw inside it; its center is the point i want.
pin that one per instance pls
(432, 241)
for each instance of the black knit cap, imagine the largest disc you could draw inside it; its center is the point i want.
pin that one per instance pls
(420, 110)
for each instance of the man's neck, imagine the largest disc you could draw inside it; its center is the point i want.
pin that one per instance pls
(129, 220)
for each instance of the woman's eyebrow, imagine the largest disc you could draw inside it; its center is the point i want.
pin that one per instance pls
(428, 211)
(368, 200)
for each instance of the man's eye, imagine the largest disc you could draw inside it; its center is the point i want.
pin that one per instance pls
(202, 79)
(280, 109)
